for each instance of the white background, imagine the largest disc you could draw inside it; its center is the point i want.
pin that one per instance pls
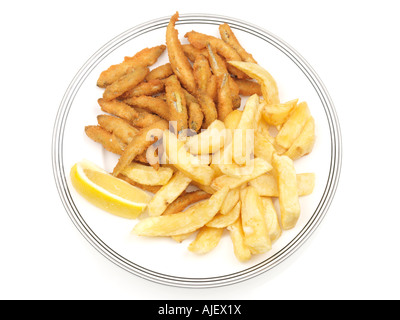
(353, 46)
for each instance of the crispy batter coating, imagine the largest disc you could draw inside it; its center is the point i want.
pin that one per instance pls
(200, 41)
(108, 140)
(119, 109)
(213, 87)
(161, 72)
(202, 74)
(125, 83)
(119, 127)
(146, 88)
(144, 118)
(196, 116)
(176, 101)
(229, 37)
(217, 63)
(224, 105)
(139, 144)
(191, 52)
(195, 113)
(218, 66)
(144, 58)
(112, 142)
(151, 104)
(179, 62)
(138, 118)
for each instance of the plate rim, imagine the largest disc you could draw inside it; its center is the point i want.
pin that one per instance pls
(206, 282)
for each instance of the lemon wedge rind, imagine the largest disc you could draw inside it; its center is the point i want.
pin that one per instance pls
(103, 198)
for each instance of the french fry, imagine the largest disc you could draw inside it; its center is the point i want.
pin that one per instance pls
(232, 120)
(264, 129)
(243, 142)
(221, 160)
(184, 161)
(277, 114)
(304, 143)
(230, 201)
(288, 195)
(152, 189)
(271, 219)
(236, 171)
(248, 118)
(185, 200)
(207, 239)
(256, 236)
(167, 194)
(147, 175)
(263, 148)
(267, 185)
(187, 221)
(180, 237)
(143, 58)
(293, 126)
(242, 252)
(225, 220)
(205, 188)
(268, 84)
(125, 83)
(260, 167)
(208, 141)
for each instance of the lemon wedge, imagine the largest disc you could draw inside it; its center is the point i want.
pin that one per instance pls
(108, 192)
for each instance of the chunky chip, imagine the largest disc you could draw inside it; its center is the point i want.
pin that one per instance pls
(147, 175)
(168, 193)
(256, 235)
(189, 220)
(288, 194)
(184, 161)
(269, 87)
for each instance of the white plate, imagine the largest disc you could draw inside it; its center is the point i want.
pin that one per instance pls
(163, 260)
